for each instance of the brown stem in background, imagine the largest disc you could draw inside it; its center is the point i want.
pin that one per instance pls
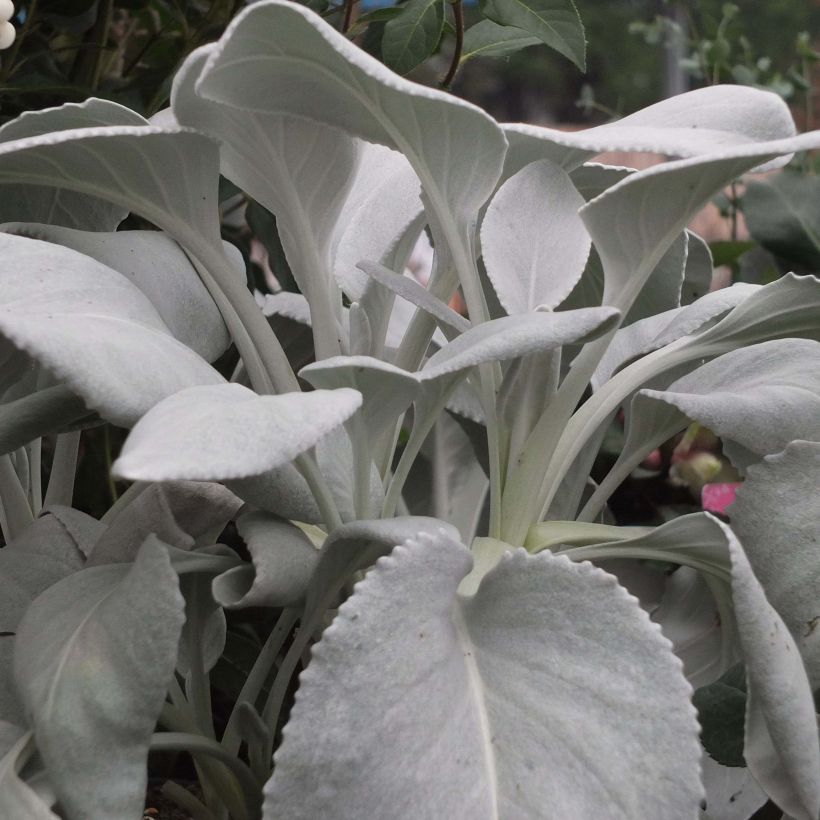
(348, 18)
(458, 12)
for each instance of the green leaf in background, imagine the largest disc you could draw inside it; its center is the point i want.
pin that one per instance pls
(783, 215)
(721, 710)
(729, 252)
(412, 36)
(489, 39)
(554, 22)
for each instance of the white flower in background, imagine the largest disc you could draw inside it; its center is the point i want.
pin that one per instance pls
(7, 30)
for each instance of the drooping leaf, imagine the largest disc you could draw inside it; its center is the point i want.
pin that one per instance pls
(704, 121)
(160, 269)
(489, 39)
(93, 658)
(455, 149)
(631, 235)
(411, 36)
(554, 22)
(227, 431)
(283, 561)
(53, 205)
(776, 515)
(182, 514)
(782, 215)
(781, 746)
(93, 328)
(757, 399)
(533, 242)
(387, 391)
(495, 689)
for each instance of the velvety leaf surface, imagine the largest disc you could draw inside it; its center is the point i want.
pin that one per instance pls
(283, 561)
(227, 431)
(698, 122)
(57, 206)
(483, 700)
(160, 269)
(777, 514)
(92, 328)
(93, 658)
(533, 242)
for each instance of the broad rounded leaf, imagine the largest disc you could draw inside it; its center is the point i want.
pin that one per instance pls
(57, 206)
(227, 431)
(488, 706)
(93, 328)
(93, 658)
(160, 269)
(534, 244)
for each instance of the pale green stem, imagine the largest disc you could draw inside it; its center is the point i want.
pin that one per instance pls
(186, 801)
(131, 494)
(35, 475)
(60, 488)
(239, 772)
(15, 502)
(197, 684)
(249, 693)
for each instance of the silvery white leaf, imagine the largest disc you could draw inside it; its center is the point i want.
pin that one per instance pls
(697, 275)
(699, 122)
(168, 176)
(281, 58)
(782, 748)
(92, 328)
(285, 493)
(182, 514)
(17, 798)
(777, 516)
(731, 793)
(41, 556)
(496, 690)
(387, 391)
(592, 178)
(410, 290)
(283, 561)
(383, 202)
(534, 244)
(657, 331)
(756, 398)
(84, 530)
(293, 306)
(226, 431)
(690, 619)
(93, 658)
(633, 223)
(42, 203)
(662, 290)
(299, 170)
(514, 336)
(160, 269)
(358, 545)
